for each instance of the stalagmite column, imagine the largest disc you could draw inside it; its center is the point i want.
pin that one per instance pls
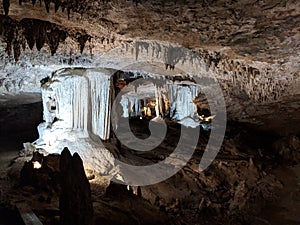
(75, 202)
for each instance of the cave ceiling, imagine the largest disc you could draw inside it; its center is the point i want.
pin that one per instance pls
(258, 30)
(258, 40)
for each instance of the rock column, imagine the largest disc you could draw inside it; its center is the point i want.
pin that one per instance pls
(75, 200)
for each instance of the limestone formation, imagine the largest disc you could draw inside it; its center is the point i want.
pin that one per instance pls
(75, 199)
(36, 33)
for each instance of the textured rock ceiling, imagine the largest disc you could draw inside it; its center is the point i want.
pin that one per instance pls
(259, 30)
(243, 38)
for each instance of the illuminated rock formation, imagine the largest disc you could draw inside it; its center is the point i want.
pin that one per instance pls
(78, 101)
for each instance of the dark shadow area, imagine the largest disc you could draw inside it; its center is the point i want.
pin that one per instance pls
(9, 216)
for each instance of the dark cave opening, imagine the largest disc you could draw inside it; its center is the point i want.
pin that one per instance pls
(19, 117)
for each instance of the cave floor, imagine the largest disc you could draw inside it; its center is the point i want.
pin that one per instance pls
(280, 203)
(285, 210)
(251, 181)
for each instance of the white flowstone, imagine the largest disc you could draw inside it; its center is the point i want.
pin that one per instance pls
(77, 115)
(180, 95)
(181, 100)
(77, 104)
(79, 100)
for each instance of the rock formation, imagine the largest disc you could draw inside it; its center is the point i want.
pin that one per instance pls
(75, 199)
(36, 33)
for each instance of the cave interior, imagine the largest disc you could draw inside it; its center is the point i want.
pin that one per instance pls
(175, 112)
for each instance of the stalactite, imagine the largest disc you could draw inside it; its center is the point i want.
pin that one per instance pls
(82, 39)
(69, 11)
(54, 37)
(40, 32)
(36, 32)
(63, 6)
(9, 30)
(224, 68)
(17, 49)
(57, 4)
(165, 91)
(80, 6)
(28, 32)
(6, 4)
(47, 5)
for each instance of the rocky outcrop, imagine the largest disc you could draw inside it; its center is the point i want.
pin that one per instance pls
(60, 178)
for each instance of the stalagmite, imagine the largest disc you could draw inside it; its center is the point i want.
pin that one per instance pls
(75, 201)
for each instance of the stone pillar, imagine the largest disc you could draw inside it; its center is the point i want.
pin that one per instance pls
(75, 202)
